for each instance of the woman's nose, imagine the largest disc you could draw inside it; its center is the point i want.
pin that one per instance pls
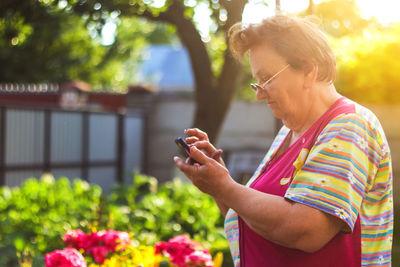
(261, 94)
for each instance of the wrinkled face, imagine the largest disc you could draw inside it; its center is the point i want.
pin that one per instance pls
(284, 94)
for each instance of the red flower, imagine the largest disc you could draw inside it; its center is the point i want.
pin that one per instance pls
(97, 244)
(199, 258)
(160, 247)
(113, 238)
(184, 252)
(68, 257)
(99, 253)
(75, 238)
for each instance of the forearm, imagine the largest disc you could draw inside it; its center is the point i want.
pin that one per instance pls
(270, 216)
(222, 207)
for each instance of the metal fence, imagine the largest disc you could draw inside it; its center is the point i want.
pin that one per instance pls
(100, 147)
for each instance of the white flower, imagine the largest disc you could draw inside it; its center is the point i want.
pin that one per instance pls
(389, 241)
(351, 178)
(324, 181)
(341, 213)
(381, 260)
(362, 142)
(335, 146)
(362, 244)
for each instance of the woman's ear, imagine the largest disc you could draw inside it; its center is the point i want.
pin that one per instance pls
(310, 76)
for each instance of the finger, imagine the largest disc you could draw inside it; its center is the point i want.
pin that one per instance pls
(187, 169)
(217, 154)
(191, 139)
(205, 146)
(198, 155)
(198, 133)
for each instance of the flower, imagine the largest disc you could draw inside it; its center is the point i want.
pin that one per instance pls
(335, 146)
(351, 178)
(324, 181)
(133, 256)
(341, 213)
(199, 258)
(68, 257)
(113, 238)
(381, 260)
(97, 244)
(362, 142)
(99, 253)
(160, 247)
(184, 252)
(75, 238)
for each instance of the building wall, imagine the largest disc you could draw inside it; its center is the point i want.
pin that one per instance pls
(248, 130)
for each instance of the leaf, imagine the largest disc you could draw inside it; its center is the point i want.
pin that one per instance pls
(19, 243)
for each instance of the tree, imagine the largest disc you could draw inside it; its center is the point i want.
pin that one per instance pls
(368, 65)
(45, 41)
(214, 89)
(311, 7)
(340, 17)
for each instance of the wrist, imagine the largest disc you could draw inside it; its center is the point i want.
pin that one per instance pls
(228, 190)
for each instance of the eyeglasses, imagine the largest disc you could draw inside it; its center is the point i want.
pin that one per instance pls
(257, 86)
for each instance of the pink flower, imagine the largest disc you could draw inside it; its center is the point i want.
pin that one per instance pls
(93, 239)
(184, 252)
(199, 258)
(99, 253)
(114, 238)
(75, 238)
(160, 247)
(97, 244)
(68, 257)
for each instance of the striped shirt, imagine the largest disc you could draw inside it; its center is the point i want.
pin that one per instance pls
(346, 173)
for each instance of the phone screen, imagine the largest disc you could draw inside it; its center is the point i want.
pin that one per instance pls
(184, 148)
(183, 145)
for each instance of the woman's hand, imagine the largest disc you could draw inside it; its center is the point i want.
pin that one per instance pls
(209, 175)
(199, 139)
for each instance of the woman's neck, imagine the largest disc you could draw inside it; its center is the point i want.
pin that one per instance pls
(316, 103)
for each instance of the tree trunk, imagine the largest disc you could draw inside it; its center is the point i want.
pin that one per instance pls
(213, 95)
(213, 103)
(277, 6)
(311, 8)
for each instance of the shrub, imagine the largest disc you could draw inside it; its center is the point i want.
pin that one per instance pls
(35, 216)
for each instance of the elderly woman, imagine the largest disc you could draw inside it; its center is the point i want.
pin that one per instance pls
(322, 196)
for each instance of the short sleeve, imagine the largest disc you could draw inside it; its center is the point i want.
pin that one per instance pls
(339, 169)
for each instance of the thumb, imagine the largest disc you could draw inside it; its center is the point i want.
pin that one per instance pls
(198, 155)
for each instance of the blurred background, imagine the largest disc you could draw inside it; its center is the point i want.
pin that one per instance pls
(99, 89)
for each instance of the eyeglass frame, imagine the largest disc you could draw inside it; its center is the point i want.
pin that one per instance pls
(256, 86)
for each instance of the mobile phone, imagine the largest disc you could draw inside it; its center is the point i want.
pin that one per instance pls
(183, 145)
(184, 148)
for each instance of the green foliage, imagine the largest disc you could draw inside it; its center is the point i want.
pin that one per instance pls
(34, 217)
(368, 65)
(45, 41)
(167, 210)
(342, 17)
